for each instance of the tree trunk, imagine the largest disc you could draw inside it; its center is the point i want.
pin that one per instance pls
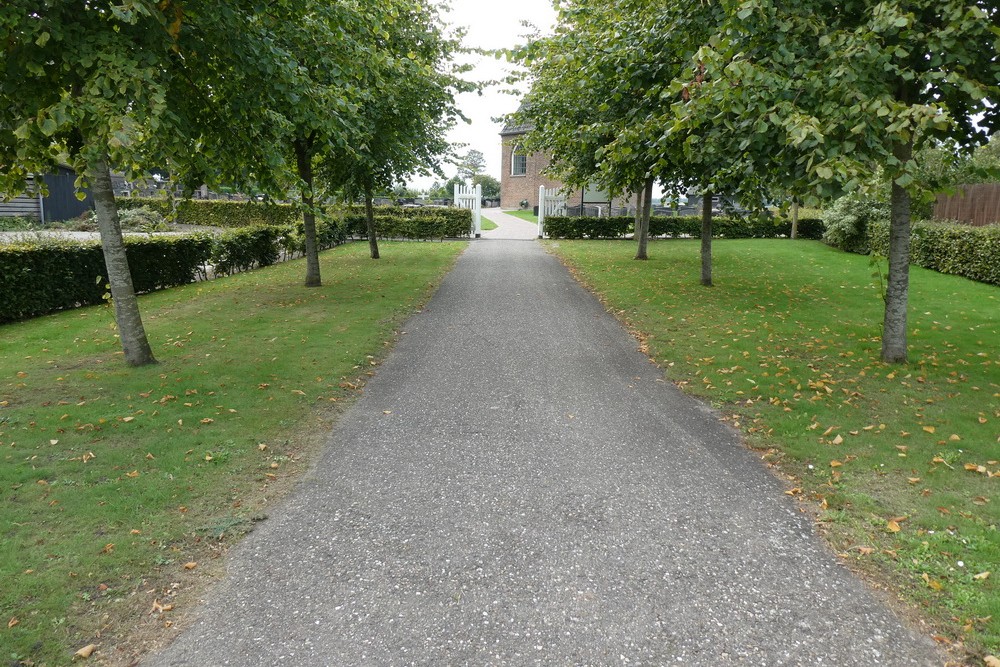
(706, 239)
(642, 219)
(370, 217)
(898, 287)
(795, 219)
(303, 159)
(130, 330)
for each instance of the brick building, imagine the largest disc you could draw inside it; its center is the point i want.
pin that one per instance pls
(521, 175)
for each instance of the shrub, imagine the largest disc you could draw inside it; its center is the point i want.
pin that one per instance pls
(17, 223)
(45, 275)
(680, 226)
(244, 249)
(214, 212)
(410, 222)
(847, 222)
(142, 219)
(947, 247)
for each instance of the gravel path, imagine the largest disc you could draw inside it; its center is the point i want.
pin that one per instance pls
(518, 486)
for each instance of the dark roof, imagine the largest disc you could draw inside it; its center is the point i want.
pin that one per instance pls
(510, 129)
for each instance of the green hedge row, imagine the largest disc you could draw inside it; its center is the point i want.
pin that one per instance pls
(44, 276)
(399, 222)
(947, 247)
(677, 226)
(40, 277)
(217, 212)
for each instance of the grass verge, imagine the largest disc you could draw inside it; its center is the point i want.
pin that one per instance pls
(899, 462)
(524, 215)
(121, 487)
(486, 224)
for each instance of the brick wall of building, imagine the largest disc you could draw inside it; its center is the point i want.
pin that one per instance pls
(515, 188)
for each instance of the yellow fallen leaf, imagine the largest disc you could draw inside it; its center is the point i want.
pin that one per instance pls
(793, 492)
(191, 565)
(892, 527)
(127, 419)
(262, 446)
(274, 464)
(954, 437)
(53, 442)
(982, 576)
(991, 661)
(913, 480)
(207, 420)
(839, 439)
(931, 583)
(12, 622)
(929, 429)
(85, 651)
(108, 548)
(835, 464)
(134, 473)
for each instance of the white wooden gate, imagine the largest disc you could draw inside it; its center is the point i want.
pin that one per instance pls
(472, 199)
(551, 201)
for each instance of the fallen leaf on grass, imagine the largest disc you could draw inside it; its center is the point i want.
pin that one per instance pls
(12, 622)
(839, 439)
(929, 429)
(913, 480)
(207, 420)
(108, 548)
(133, 474)
(954, 437)
(892, 527)
(835, 464)
(85, 651)
(991, 661)
(932, 583)
(980, 500)
(191, 565)
(793, 492)
(982, 576)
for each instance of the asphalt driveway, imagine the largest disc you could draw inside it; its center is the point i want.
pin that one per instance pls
(518, 486)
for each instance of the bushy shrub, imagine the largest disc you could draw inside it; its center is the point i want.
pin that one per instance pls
(848, 219)
(680, 226)
(17, 223)
(248, 248)
(215, 212)
(399, 222)
(45, 275)
(142, 219)
(947, 247)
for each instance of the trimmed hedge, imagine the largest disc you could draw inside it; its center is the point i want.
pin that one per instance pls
(399, 222)
(947, 247)
(45, 275)
(40, 277)
(216, 212)
(678, 226)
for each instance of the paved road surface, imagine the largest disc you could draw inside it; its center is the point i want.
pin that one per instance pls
(518, 487)
(509, 226)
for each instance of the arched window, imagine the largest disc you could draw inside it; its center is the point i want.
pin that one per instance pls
(518, 161)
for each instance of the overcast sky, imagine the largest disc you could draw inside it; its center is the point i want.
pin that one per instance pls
(490, 25)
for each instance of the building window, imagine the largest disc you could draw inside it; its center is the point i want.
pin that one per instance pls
(518, 162)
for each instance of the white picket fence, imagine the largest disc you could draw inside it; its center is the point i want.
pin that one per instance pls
(472, 199)
(551, 201)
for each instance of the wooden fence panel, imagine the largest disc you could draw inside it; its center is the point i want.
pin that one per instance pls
(977, 205)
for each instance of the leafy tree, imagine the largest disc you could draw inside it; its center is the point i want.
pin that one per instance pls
(490, 185)
(845, 89)
(472, 164)
(99, 84)
(402, 127)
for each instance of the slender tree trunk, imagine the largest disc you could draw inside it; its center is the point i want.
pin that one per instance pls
(706, 239)
(130, 328)
(642, 219)
(898, 287)
(303, 159)
(795, 219)
(370, 217)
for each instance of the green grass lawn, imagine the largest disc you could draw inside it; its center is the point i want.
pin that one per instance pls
(486, 224)
(121, 487)
(524, 215)
(901, 463)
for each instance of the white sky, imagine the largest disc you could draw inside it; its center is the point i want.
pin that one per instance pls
(489, 25)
